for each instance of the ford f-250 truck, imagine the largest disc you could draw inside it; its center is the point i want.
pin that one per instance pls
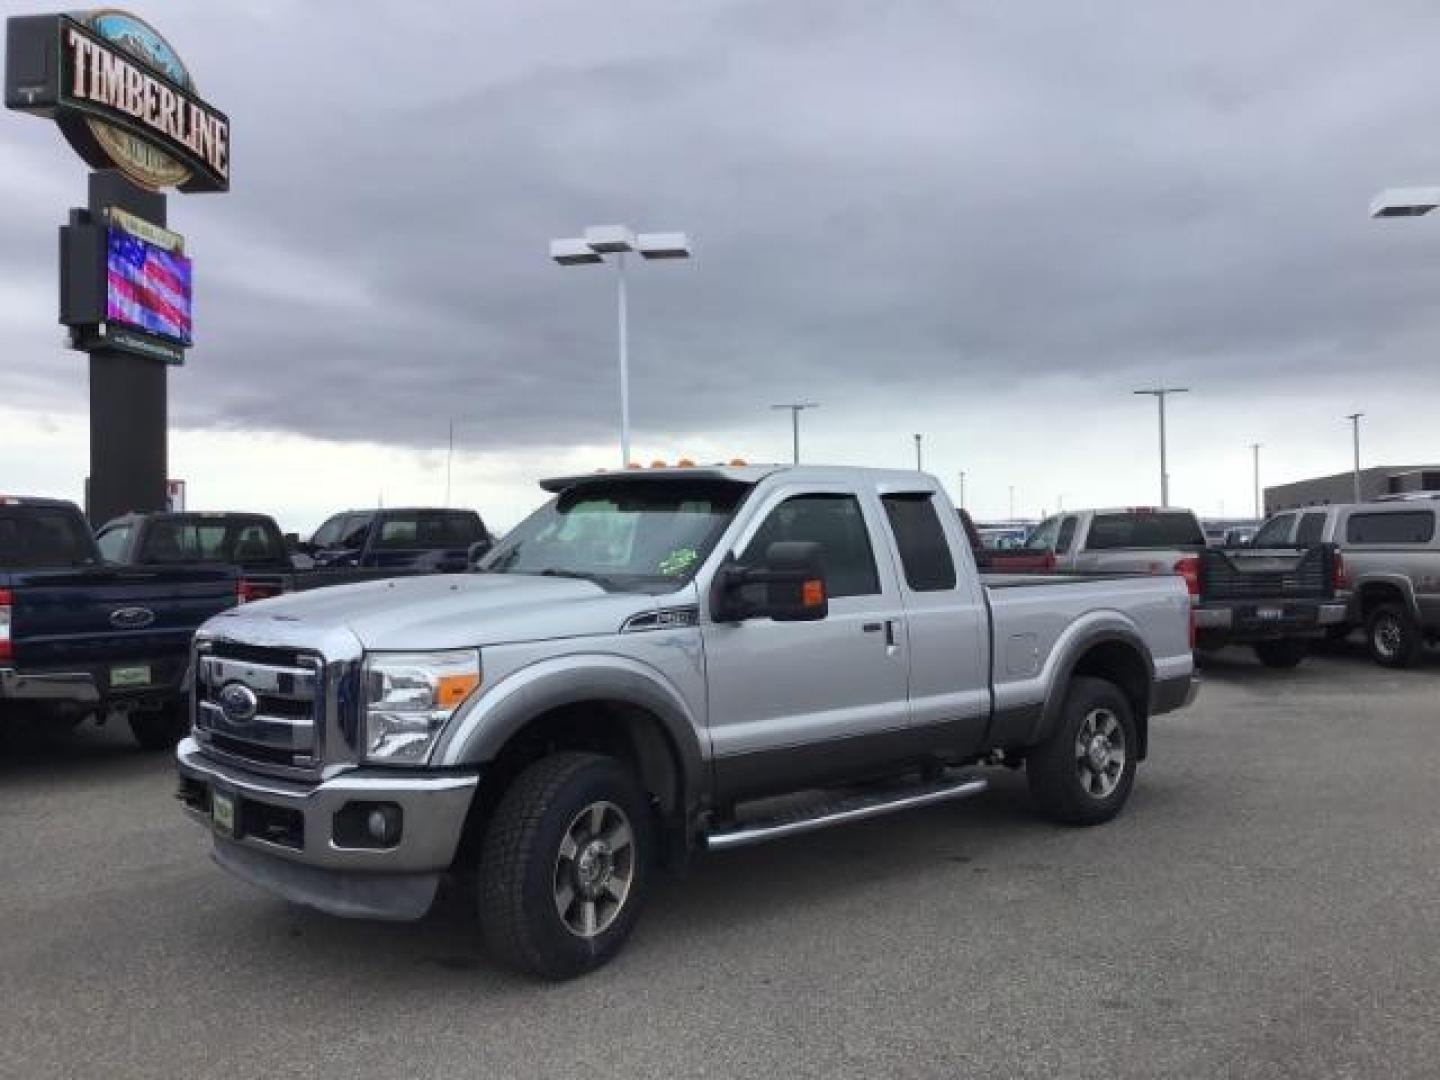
(79, 638)
(634, 672)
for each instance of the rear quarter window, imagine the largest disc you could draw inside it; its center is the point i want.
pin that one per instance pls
(1407, 527)
(436, 529)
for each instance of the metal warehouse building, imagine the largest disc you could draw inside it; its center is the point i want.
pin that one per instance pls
(1340, 488)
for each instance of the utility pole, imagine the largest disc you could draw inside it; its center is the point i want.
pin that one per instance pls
(1354, 419)
(919, 453)
(1255, 450)
(1012, 502)
(796, 408)
(1159, 393)
(962, 489)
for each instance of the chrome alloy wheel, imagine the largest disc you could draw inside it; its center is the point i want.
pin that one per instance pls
(595, 869)
(1100, 753)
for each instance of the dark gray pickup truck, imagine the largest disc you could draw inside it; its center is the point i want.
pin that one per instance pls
(79, 638)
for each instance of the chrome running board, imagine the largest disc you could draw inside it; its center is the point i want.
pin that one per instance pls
(842, 811)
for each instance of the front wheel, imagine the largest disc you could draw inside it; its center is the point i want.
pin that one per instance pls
(1082, 774)
(1392, 636)
(564, 866)
(1285, 653)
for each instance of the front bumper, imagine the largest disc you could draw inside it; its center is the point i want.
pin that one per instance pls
(285, 834)
(1261, 621)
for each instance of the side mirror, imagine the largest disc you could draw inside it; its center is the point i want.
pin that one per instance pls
(478, 551)
(790, 586)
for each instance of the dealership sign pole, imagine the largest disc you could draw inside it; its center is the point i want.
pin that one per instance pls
(126, 103)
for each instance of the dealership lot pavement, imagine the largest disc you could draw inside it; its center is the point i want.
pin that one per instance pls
(1267, 907)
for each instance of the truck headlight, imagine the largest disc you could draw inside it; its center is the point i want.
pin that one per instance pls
(409, 697)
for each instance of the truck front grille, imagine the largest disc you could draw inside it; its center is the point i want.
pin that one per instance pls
(260, 706)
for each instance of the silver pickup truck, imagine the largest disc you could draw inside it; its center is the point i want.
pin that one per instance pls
(655, 662)
(1392, 568)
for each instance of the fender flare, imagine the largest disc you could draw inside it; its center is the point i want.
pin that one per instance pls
(1399, 582)
(490, 718)
(1107, 632)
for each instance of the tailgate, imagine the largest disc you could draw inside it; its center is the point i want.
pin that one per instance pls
(1267, 574)
(74, 617)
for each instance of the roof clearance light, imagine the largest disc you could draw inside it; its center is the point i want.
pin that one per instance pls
(738, 461)
(657, 464)
(684, 463)
(634, 465)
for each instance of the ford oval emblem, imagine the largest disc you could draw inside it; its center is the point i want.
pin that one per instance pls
(238, 702)
(131, 618)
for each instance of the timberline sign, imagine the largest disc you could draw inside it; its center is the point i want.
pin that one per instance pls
(121, 96)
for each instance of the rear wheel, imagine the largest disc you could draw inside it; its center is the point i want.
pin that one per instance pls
(159, 729)
(1392, 636)
(1082, 774)
(1285, 653)
(565, 865)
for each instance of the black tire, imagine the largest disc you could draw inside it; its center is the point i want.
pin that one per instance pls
(1063, 781)
(523, 868)
(160, 729)
(1392, 637)
(1285, 653)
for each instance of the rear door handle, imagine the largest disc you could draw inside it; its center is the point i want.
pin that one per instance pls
(872, 628)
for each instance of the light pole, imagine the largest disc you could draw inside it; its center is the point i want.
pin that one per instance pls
(919, 453)
(1255, 450)
(962, 489)
(796, 408)
(1354, 419)
(618, 240)
(1159, 393)
(1012, 502)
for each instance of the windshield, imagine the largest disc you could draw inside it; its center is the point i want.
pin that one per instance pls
(632, 534)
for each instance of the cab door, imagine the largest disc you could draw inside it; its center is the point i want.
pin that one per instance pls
(796, 703)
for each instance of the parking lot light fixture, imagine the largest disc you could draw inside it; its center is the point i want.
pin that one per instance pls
(1159, 393)
(1405, 202)
(796, 408)
(620, 240)
(1354, 419)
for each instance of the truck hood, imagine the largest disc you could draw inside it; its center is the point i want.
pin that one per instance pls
(438, 611)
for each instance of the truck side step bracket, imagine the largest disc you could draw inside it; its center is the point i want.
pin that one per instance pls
(843, 810)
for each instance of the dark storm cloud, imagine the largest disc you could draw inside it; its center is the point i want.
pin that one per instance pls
(887, 199)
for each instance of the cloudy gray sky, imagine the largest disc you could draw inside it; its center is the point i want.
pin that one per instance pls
(985, 222)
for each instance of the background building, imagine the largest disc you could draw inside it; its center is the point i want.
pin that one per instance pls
(1340, 488)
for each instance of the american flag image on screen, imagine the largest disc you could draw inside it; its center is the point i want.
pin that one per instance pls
(148, 287)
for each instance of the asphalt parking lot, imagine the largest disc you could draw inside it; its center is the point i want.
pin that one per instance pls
(1268, 906)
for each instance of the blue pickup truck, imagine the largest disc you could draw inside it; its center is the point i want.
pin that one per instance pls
(80, 638)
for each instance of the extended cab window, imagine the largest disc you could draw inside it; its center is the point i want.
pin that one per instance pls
(837, 524)
(649, 535)
(1156, 529)
(1275, 532)
(1409, 527)
(924, 551)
